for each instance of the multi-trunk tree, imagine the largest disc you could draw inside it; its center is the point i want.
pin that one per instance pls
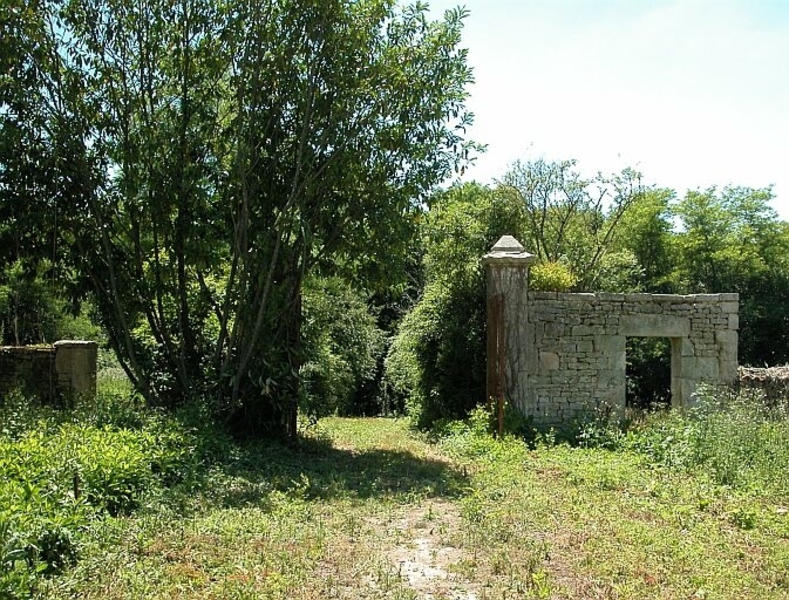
(220, 150)
(570, 218)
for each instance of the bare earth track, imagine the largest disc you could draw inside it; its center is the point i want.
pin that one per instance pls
(365, 509)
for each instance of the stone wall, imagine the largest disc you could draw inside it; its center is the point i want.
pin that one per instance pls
(29, 369)
(577, 347)
(772, 382)
(62, 371)
(556, 356)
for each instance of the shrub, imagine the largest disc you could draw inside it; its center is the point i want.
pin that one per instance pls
(619, 272)
(59, 471)
(436, 361)
(736, 439)
(32, 312)
(28, 306)
(551, 277)
(342, 347)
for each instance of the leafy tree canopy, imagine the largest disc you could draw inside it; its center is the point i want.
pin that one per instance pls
(220, 151)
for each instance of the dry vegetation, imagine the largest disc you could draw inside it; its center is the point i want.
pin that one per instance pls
(365, 508)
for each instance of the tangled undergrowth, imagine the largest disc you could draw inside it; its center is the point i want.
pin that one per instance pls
(62, 471)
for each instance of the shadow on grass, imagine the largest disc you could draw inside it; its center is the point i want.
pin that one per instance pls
(315, 470)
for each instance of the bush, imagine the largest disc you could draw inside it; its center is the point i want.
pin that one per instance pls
(436, 361)
(28, 306)
(551, 277)
(32, 311)
(619, 272)
(59, 471)
(737, 440)
(342, 347)
(80, 325)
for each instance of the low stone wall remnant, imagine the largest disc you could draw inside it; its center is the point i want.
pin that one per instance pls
(64, 370)
(773, 382)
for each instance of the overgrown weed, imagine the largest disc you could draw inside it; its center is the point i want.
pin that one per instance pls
(61, 470)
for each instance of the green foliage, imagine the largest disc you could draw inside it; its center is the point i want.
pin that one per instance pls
(731, 241)
(472, 436)
(28, 306)
(191, 163)
(59, 472)
(33, 311)
(569, 218)
(620, 271)
(80, 325)
(645, 232)
(342, 348)
(551, 277)
(736, 440)
(436, 362)
(648, 372)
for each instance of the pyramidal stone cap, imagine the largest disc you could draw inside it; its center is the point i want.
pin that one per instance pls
(508, 251)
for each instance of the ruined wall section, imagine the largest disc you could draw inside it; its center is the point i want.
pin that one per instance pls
(770, 382)
(28, 369)
(576, 348)
(63, 371)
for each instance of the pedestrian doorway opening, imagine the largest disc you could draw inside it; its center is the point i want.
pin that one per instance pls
(648, 372)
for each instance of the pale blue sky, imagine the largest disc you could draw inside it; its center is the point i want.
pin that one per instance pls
(692, 93)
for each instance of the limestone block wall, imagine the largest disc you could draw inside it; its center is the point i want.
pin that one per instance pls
(576, 357)
(75, 367)
(557, 356)
(29, 369)
(61, 371)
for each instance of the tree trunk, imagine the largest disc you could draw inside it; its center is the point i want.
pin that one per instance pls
(293, 337)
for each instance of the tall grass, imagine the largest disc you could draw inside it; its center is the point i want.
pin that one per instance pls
(738, 440)
(61, 471)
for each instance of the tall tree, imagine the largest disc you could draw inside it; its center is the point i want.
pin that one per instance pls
(226, 147)
(38, 188)
(731, 240)
(646, 231)
(571, 218)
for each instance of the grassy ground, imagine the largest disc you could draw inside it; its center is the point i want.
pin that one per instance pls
(364, 508)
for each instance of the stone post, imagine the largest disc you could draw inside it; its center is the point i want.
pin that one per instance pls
(75, 368)
(507, 267)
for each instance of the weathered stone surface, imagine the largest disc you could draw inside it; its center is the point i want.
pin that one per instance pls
(569, 357)
(654, 325)
(772, 382)
(508, 251)
(62, 371)
(706, 369)
(75, 365)
(549, 361)
(730, 307)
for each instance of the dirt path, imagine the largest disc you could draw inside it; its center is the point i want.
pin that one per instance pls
(424, 559)
(414, 540)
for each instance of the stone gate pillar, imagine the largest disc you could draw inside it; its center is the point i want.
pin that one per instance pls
(507, 267)
(75, 368)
